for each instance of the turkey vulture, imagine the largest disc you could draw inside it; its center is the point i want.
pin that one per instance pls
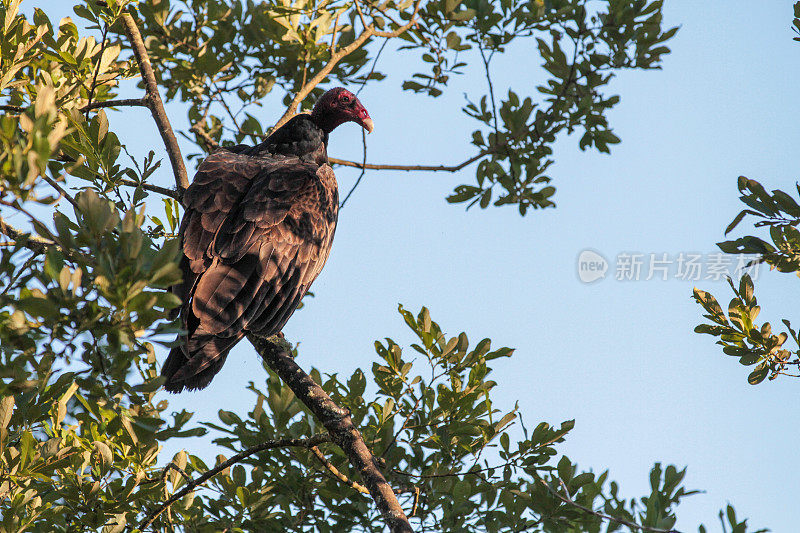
(257, 230)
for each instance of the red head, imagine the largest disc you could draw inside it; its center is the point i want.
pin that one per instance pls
(338, 106)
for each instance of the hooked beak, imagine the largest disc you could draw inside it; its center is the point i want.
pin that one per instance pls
(367, 124)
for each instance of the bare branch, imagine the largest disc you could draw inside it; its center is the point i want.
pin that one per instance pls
(53, 183)
(32, 242)
(268, 445)
(365, 35)
(416, 501)
(409, 168)
(122, 102)
(177, 195)
(363, 170)
(335, 471)
(404, 28)
(338, 423)
(361, 14)
(333, 36)
(155, 103)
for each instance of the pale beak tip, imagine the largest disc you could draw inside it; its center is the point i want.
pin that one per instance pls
(368, 125)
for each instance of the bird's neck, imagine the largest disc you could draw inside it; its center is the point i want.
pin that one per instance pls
(300, 137)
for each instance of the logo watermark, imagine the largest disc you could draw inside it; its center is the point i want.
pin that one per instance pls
(685, 266)
(591, 266)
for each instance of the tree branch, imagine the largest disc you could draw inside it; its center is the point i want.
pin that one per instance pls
(53, 183)
(338, 423)
(337, 56)
(268, 445)
(333, 36)
(155, 103)
(122, 102)
(177, 195)
(409, 168)
(335, 471)
(32, 242)
(203, 134)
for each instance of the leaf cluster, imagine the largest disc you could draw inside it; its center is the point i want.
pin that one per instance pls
(738, 333)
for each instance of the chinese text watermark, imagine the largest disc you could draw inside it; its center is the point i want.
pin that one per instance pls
(685, 266)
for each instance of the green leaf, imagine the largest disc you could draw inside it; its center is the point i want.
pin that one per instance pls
(104, 454)
(758, 375)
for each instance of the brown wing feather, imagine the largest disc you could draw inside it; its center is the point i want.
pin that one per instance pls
(256, 234)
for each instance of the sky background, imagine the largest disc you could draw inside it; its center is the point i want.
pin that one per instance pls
(618, 357)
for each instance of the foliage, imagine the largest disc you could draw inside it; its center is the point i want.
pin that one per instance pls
(83, 304)
(75, 464)
(223, 60)
(739, 334)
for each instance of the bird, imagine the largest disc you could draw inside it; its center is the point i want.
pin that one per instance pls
(257, 229)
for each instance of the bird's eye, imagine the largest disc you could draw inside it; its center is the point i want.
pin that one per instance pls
(345, 99)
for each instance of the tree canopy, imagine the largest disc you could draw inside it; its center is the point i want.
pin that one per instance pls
(84, 309)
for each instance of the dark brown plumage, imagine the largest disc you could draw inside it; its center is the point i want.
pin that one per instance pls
(257, 230)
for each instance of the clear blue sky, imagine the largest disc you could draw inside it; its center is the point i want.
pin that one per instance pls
(619, 357)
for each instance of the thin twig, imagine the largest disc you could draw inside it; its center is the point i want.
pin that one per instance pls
(409, 168)
(97, 69)
(155, 103)
(131, 183)
(173, 466)
(472, 471)
(333, 35)
(566, 499)
(402, 428)
(225, 106)
(416, 501)
(363, 134)
(486, 62)
(191, 485)
(361, 14)
(34, 220)
(336, 472)
(365, 35)
(153, 188)
(203, 134)
(363, 170)
(26, 265)
(122, 102)
(53, 183)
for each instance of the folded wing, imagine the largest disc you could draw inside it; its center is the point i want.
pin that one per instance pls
(256, 233)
